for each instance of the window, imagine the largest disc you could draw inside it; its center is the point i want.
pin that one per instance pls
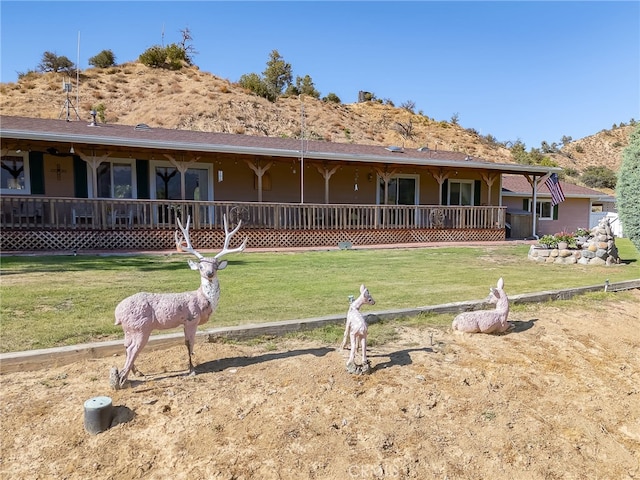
(544, 209)
(14, 174)
(115, 179)
(403, 190)
(165, 182)
(461, 192)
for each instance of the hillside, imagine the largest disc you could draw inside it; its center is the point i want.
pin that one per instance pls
(191, 99)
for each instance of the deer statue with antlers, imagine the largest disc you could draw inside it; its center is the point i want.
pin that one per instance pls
(142, 313)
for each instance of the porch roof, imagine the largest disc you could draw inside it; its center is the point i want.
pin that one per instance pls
(13, 128)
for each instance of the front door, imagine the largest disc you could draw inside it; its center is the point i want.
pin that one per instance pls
(403, 190)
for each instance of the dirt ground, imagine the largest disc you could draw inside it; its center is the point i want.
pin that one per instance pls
(558, 397)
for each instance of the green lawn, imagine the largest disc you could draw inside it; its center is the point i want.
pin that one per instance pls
(63, 300)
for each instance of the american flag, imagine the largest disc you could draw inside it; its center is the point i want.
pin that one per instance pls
(557, 195)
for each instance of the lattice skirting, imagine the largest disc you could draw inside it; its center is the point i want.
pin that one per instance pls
(144, 240)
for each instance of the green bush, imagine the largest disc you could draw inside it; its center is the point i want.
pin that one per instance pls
(599, 177)
(104, 59)
(171, 57)
(332, 97)
(254, 83)
(549, 241)
(153, 56)
(628, 189)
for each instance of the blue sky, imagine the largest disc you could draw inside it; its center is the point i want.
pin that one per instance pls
(531, 71)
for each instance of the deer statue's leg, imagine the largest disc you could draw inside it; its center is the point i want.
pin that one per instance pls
(345, 336)
(363, 347)
(189, 341)
(134, 344)
(354, 347)
(366, 368)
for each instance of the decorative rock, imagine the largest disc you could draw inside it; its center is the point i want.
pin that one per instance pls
(597, 249)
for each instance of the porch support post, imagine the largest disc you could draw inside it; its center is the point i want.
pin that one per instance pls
(259, 171)
(182, 167)
(94, 162)
(386, 176)
(489, 178)
(534, 182)
(440, 177)
(326, 174)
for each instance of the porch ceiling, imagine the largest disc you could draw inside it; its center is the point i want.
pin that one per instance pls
(127, 138)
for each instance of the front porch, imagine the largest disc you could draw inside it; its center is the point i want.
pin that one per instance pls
(58, 223)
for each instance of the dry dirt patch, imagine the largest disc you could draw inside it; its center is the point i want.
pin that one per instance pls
(557, 398)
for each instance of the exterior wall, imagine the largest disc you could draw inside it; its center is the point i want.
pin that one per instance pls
(281, 183)
(572, 213)
(58, 176)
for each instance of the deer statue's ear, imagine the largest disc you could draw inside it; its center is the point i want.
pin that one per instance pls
(222, 265)
(362, 288)
(500, 283)
(193, 265)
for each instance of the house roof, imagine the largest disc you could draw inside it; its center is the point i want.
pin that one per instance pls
(517, 186)
(173, 140)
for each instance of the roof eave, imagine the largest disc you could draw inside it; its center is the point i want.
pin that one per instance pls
(273, 152)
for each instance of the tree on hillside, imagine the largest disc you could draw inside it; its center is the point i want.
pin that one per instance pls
(331, 98)
(405, 130)
(599, 177)
(104, 59)
(628, 189)
(304, 85)
(188, 49)
(53, 63)
(277, 76)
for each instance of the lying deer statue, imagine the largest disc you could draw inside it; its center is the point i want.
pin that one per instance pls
(356, 331)
(143, 312)
(486, 321)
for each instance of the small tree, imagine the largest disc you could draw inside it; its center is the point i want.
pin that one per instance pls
(566, 140)
(305, 86)
(100, 110)
(53, 63)
(628, 189)
(332, 97)
(455, 118)
(187, 48)
(409, 106)
(104, 59)
(277, 76)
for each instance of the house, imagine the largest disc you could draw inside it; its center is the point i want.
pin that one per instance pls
(83, 185)
(582, 208)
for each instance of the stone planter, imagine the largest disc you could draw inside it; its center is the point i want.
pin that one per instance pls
(563, 245)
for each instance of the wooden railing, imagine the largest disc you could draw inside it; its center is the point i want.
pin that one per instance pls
(20, 212)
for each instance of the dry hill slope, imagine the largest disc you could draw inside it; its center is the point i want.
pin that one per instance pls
(191, 99)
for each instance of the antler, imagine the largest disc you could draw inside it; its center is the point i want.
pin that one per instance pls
(185, 234)
(227, 236)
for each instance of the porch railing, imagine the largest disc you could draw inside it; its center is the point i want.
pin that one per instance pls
(19, 212)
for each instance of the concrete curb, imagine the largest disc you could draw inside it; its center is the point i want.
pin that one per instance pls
(36, 359)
